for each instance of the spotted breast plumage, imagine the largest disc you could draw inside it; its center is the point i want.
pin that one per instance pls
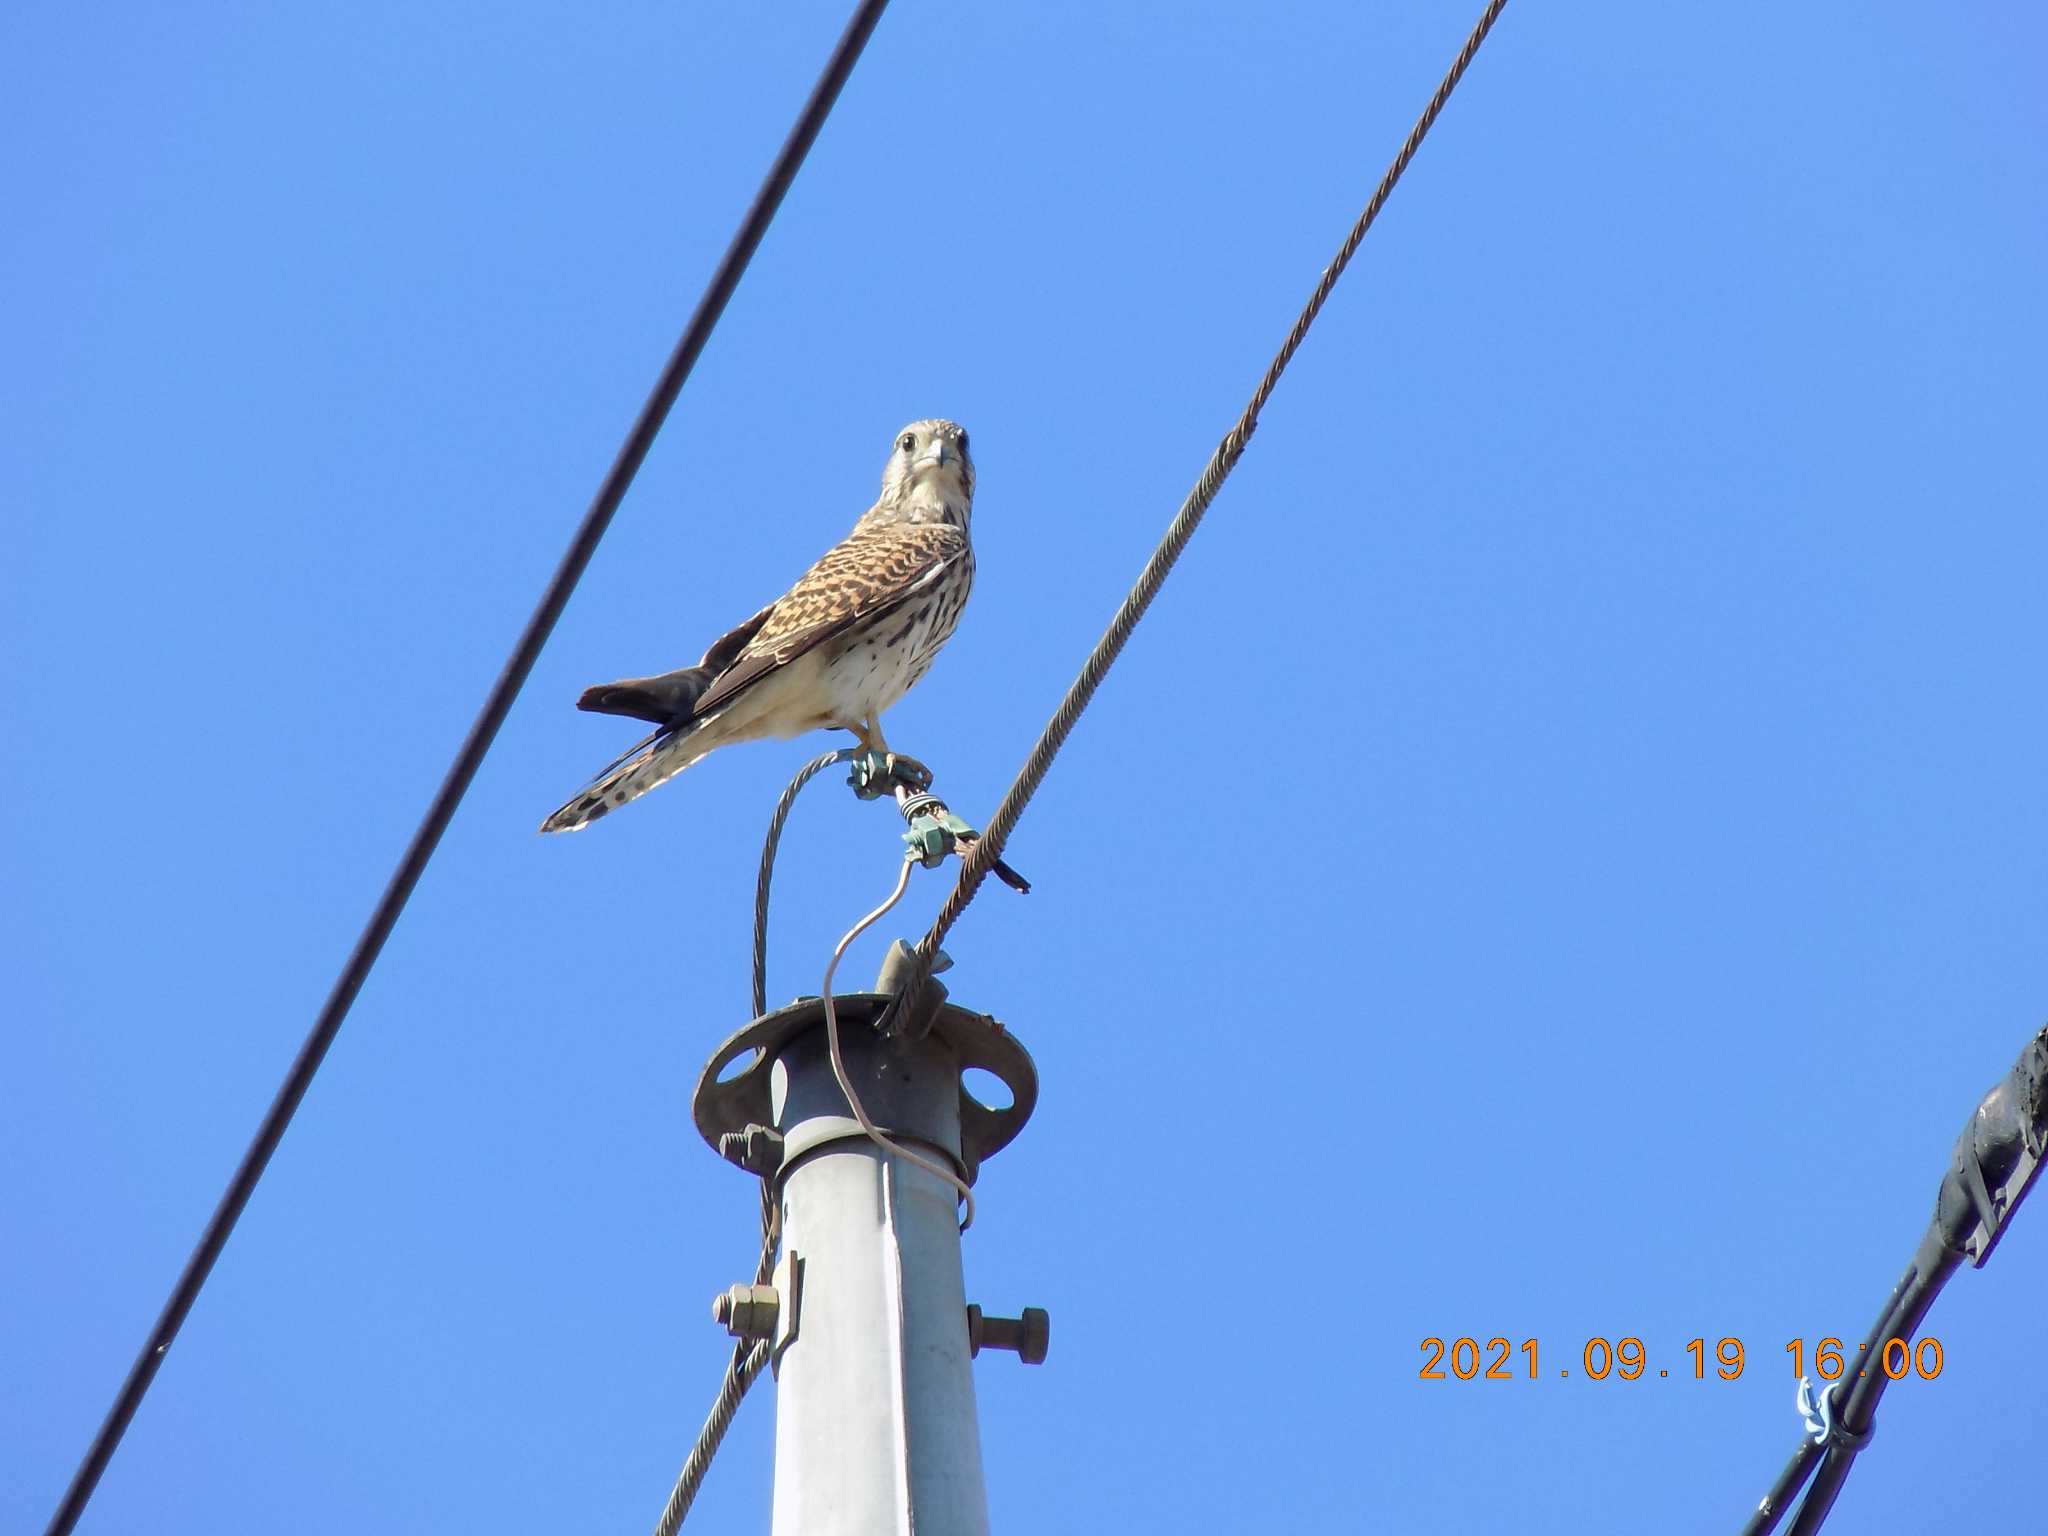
(853, 635)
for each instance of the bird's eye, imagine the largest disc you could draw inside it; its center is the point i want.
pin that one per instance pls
(906, 442)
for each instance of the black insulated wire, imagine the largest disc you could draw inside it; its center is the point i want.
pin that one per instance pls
(481, 734)
(1995, 1163)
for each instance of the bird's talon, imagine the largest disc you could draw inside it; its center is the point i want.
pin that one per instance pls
(907, 771)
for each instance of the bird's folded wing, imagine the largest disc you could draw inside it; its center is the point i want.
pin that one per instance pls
(872, 573)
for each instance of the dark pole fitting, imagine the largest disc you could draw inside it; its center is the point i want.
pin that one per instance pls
(1029, 1336)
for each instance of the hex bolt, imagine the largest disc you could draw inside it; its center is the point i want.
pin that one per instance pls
(748, 1311)
(1030, 1335)
(758, 1149)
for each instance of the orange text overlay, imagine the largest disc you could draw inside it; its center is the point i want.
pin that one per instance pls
(1502, 1359)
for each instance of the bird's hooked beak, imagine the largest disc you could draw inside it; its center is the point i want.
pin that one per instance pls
(939, 455)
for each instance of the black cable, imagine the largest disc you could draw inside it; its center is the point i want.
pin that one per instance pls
(1995, 1163)
(1774, 1504)
(592, 529)
(1931, 1269)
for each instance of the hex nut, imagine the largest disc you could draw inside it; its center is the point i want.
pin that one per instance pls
(748, 1311)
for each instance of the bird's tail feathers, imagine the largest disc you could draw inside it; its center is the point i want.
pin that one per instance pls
(648, 763)
(667, 700)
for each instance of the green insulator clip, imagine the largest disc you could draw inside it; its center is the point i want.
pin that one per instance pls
(871, 775)
(931, 837)
(928, 842)
(876, 773)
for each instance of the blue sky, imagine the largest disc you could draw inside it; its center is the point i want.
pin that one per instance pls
(1562, 859)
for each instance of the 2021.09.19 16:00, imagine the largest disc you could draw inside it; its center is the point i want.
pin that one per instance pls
(1627, 1359)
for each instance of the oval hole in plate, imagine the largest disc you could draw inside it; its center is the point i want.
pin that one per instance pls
(986, 1089)
(737, 1065)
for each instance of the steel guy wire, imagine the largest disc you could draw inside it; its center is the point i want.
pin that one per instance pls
(441, 810)
(746, 1364)
(989, 847)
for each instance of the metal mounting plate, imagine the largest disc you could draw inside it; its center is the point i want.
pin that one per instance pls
(975, 1039)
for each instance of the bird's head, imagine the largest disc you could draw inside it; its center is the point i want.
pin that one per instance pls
(929, 477)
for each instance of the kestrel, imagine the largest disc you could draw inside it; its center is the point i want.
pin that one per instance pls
(853, 635)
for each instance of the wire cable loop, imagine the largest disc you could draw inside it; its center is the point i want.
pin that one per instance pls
(748, 1362)
(875, 774)
(888, 1144)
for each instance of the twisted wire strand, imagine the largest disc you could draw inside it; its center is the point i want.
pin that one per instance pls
(771, 1232)
(740, 1371)
(888, 1144)
(989, 847)
(746, 1364)
(804, 775)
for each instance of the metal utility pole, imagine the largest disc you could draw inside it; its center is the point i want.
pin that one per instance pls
(875, 1423)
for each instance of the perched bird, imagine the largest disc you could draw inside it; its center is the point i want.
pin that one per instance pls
(847, 641)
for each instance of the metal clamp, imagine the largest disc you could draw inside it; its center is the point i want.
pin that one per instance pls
(1818, 1417)
(873, 774)
(934, 831)
(722, 1105)
(1998, 1157)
